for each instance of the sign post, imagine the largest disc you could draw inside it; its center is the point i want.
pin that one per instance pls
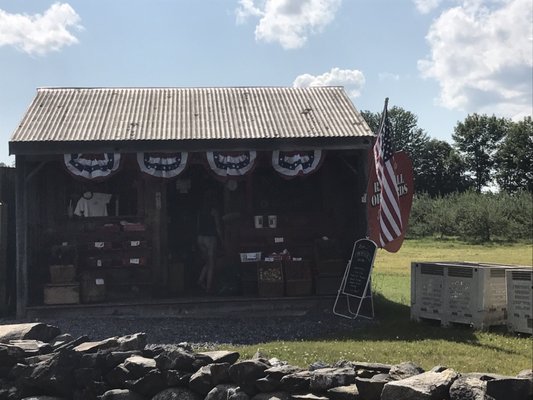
(355, 285)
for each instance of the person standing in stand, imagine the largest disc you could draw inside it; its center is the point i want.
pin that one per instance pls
(209, 232)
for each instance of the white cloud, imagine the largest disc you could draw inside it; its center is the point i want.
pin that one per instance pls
(426, 6)
(39, 33)
(353, 80)
(388, 76)
(482, 55)
(288, 22)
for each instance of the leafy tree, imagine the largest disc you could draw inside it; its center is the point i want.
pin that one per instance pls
(441, 170)
(406, 135)
(514, 158)
(477, 139)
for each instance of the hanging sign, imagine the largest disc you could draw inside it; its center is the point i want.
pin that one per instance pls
(231, 164)
(162, 165)
(290, 164)
(403, 168)
(92, 166)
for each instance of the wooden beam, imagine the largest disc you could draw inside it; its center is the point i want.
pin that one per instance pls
(22, 237)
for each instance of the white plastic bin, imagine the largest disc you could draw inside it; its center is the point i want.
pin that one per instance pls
(427, 296)
(519, 300)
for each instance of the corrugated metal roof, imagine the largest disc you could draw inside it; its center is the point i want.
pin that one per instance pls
(116, 114)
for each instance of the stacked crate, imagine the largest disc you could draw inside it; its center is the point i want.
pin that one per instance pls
(63, 288)
(519, 300)
(329, 267)
(459, 292)
(298, 280)
(270, 279)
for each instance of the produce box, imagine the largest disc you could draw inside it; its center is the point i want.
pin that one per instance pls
(68, 293)
(93, 288)
(62, 273)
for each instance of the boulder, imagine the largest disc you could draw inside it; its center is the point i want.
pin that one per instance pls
(201, 381)
(425, 386)
(176, 378)
(237, 394)
(117, 377)
(297, 382)
(101, 345)
(327, 378)
(404, 370)
(468, 388)
(219, 392)
(379, 368)
(267, 384)
(318, 365)
(9, 356)
(527, 374)
(121, 394)
(42, 398)
(177, 394)
(135, 342)
(272, 396)
(371, 388)
(282, 370)
(84, 376)
(35, 331)
(348, 392)
(308, 396)
(139, 366)
(245, 373)
(509, 388)
(114, 358)
(222, 356)
(61, 339)
(177, 358)
(148, 385)
(31, 347)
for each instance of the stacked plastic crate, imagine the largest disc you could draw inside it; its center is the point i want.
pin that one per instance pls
(519, 300)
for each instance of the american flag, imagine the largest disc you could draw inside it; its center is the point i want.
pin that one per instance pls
(390, 219)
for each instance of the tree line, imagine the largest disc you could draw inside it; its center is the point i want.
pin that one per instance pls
(486, 150)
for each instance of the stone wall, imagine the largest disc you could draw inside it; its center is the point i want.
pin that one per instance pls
(37, 362)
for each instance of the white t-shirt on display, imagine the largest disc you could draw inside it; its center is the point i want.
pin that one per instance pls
(92, 205)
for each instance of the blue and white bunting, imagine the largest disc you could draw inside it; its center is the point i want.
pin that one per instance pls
(92, 166)
(231, 164)
(162, 165)
(290, 164)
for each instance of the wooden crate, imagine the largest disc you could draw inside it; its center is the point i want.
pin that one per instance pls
(270, 289)
(298, 287)
(297, 270)
(270, 281)
(93, 289)
(62, 273)
(68, 293)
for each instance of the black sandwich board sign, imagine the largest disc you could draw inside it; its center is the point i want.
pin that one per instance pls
(355, 284)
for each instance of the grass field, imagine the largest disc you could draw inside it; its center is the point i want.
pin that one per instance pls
(393, 338)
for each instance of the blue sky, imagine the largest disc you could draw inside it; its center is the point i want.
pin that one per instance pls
(440, 59)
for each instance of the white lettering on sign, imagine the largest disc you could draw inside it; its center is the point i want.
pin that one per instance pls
(99, 245)
(98, 263)
(99, 281)
(135, 261)
(135, 243)
(279, 240)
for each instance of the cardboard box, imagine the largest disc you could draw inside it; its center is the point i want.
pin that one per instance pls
(62, 273)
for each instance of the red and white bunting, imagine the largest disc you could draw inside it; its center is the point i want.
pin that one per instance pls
(296, 163)
(231, 164)
(162, 165)
(92, 166)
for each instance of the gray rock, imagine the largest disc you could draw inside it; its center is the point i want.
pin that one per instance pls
(308, 396)
(101, 345)
(9, 356)
(84, 376)
(200, 360)
(267, 384)
(438, 368)
(272, 396)
(348, 392)
(42, 398)
(468, 388)
(404, 370)
(56, 375)
(177, 358)
(139, 366)
(425, 386)
(282, 370)
(219, 392)
(371, 388)
(114, 358)
(37, 359)
(35, 331)
(245, 373)
(527, 374)
(201, 381)
(135, 342)
(176, 378)
(93, 360)
(31, 347)
(177, 394)
(509, 388)
(148, 385)
(297, 382)
(118, 376)
(381, 368)
(222, 356)
(318, 365)
(61, 339)
(121, 394)
(237, 394)
(327, 378)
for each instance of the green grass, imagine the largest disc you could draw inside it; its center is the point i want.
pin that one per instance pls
(393, 338)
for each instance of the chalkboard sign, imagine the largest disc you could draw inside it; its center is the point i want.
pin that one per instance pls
(359, 268)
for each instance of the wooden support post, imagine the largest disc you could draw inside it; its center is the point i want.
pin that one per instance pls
(22, 236)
